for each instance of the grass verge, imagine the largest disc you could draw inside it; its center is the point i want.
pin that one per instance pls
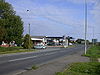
(87, 68)
(93, 53)
(9, 50)
(34, 67)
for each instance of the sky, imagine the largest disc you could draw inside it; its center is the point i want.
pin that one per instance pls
(59, 17)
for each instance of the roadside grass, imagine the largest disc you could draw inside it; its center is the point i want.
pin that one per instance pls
(86, 68)
(71, 46)
(34, 67)
(94, 53)
(9, 50)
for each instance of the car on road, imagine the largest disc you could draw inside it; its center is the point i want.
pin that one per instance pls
(39, 46)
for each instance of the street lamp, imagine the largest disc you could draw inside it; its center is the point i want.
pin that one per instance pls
(29, 24)
(29, 32)
(85, 26)
(93, 36)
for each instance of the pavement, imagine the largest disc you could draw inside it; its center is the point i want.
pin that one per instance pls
(57, 65)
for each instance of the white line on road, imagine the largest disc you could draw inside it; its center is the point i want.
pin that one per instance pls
(22, 58)
(30, 57)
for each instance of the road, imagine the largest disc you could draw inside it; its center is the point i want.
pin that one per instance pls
(14, 63)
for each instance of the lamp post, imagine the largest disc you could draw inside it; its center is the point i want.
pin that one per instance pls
(85, 26)
(29, 24)
(29, 32)
(93, 36)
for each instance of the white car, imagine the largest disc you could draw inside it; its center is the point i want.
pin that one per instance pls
(39, 46)
(70, 44)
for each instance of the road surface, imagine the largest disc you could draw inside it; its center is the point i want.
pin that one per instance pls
(14, 63)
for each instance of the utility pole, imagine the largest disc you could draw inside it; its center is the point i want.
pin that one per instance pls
(29, 32)
(29, 28)
(85, 26)
(93, 36)
(29, 35)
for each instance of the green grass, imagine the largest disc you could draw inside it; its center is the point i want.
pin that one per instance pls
(94, 51)
(87, 68)
(8, 50)
(34, 67)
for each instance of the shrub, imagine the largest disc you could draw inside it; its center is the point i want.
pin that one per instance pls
(27, 42)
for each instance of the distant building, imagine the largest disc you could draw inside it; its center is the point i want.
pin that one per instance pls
(54, 41)
(50, 41)
(39, 40)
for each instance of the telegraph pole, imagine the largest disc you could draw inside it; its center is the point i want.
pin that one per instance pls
(85, 26)
(29, 32)
(93, 36)
(29, 35)
(29, 28)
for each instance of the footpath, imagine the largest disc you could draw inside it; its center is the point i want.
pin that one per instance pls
(57, 65)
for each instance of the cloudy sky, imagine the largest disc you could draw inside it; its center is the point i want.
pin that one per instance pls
(59, 17)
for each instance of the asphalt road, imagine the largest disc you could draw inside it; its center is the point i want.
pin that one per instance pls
(14, 63)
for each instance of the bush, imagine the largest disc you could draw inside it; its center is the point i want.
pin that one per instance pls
(27, 42)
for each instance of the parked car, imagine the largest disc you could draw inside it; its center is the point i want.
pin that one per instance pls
(40, 46)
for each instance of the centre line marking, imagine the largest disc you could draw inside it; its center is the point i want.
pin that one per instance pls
(22, 58)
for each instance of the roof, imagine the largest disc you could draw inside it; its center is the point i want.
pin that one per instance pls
(38, 37)
(55, 37)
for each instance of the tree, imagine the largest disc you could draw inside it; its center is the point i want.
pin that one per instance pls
(82, 41)
(2, 0)
(2, 30)
(28, 44)
(11, 23)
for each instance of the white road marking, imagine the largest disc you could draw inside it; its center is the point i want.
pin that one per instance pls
(22, 58)
(30, 57)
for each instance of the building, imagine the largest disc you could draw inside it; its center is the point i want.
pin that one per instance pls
(54, 41)
(51, 41)
(39, 40)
